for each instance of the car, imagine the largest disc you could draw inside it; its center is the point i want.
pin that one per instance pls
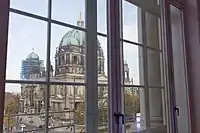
(20, 119)
(30, 116)
(43, 126)
(31, 121)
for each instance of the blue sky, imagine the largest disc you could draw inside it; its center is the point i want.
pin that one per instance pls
(26, 33)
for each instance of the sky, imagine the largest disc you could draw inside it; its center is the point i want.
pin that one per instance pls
(26, 33)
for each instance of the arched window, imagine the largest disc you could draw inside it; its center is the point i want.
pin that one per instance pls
(58, 61)
(75, 59)
(67, 59)
(62, 60)
(82, 60)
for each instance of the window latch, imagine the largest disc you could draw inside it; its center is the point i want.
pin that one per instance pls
(177, 110)
(117, 118)
(122, 116)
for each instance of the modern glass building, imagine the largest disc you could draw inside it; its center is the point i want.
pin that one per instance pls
(102, 66)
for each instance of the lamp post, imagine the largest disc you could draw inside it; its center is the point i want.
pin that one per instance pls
(74, 104)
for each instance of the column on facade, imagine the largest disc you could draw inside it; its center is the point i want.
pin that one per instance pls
(70, 58)
(65, 58)
(38, 106)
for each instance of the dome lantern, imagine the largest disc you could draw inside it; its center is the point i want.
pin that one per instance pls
(80, 22)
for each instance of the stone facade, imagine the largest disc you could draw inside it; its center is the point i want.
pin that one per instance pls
(69, 67)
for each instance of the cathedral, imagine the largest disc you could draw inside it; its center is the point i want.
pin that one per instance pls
(69, 67)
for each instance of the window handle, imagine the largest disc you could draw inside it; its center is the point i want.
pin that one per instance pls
(122, 115)
(177, 110)
(116, 118)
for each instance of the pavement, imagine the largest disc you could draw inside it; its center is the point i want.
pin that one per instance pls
(35, 126)
(58, 126)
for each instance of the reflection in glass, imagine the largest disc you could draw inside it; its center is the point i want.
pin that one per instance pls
(157, 109)
(154, 68)
(102, 60)
(133, 107)
(152, 31)
(130, 22)
(103, 108)
(102, 16)
(131, 64)
(26, 48)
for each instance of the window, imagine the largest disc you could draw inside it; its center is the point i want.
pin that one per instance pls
(75, 59)
(97, 65)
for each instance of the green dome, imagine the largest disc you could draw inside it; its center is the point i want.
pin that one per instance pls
(74, 37)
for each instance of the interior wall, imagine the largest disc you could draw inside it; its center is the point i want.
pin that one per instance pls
(192, 38)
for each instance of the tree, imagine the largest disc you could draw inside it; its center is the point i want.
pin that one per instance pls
(79, 114)
(13, 104)
(132, 104)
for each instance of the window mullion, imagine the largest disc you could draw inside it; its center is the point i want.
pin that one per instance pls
(115, 76)
(4, 15)
(91, 95)
(47, 88)
(145, 67)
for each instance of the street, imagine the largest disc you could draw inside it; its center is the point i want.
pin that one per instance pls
(29, 127)
(55, 125)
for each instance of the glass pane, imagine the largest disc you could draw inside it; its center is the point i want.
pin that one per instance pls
(153, 31)
(103, 108)
(130, 22)
(26, 56)
(134, 109)
(24, 107)
(102, 60)
(67, 108)
(67, 54)
(155, 68)
(102, 16)
(62, 9)
(133, 64)
(38, 7)
(157, 110)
